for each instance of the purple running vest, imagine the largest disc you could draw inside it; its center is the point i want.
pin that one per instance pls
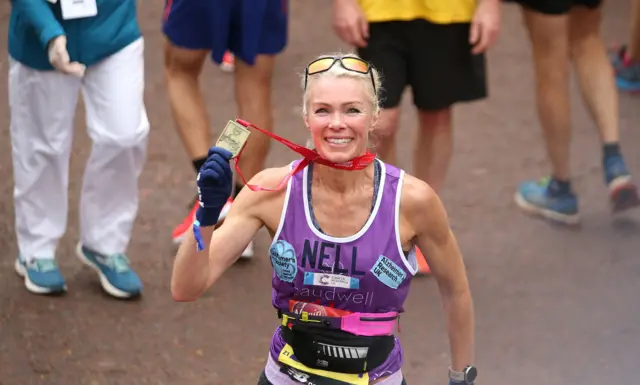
(366, 272)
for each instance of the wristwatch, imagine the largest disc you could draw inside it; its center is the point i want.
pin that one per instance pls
(466, 376)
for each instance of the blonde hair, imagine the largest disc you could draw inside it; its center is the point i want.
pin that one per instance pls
(338, 71)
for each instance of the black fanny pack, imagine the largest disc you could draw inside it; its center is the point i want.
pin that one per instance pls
(321, 347)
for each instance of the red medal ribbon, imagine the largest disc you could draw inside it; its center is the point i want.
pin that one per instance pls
(358, 163)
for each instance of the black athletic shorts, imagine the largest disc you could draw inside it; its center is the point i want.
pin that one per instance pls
(434, 59)
(555, 7)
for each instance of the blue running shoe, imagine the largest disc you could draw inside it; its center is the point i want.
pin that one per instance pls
(627, 73)
(41, 276)
(116, 276)
(534, 198)
(623, 194)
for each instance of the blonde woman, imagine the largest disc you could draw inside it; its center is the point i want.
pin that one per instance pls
(344, 241)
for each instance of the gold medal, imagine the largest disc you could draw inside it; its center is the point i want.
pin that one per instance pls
(233, 138)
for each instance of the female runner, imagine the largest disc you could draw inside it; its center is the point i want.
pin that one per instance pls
(343, 243)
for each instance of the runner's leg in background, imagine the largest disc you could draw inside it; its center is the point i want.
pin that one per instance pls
(189, 29)
(597, 82)
(259, 37)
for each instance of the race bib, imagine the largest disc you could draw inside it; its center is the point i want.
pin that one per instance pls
(302, 372)
(77, 9)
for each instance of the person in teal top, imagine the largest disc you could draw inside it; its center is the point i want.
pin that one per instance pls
(34, 23)
(57, 49)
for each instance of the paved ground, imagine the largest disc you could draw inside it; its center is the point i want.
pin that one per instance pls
(553, 306)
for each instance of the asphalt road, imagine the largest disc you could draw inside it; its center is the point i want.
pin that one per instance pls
(553, 306)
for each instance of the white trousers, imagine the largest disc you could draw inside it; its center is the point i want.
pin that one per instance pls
(43, 105)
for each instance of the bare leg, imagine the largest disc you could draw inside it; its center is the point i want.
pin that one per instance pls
(385, 135)
(253, 96)
(182, 72)
(434, 147)
(594, 71)
(182, 68)
(552, 198)
(550, 46)
(597, 80)
(633, 48)
(431, 156)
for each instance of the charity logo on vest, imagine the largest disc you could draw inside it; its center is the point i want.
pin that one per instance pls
(321, 254)
(331, 280)
(388, 272)
(284, 261)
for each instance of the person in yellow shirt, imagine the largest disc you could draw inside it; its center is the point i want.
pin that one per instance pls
(434, 46)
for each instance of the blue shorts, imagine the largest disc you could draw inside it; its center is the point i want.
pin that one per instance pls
(245, 27)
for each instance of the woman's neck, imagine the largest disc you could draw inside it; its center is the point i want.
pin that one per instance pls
(342, 181)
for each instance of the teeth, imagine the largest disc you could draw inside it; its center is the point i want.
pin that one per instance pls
(339, 141)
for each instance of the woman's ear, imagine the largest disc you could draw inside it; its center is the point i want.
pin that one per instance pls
(375, 120)
(305, 119)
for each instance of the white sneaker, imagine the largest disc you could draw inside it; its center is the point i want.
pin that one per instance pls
(248, 252)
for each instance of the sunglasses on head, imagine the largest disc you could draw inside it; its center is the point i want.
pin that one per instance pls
(349, 63)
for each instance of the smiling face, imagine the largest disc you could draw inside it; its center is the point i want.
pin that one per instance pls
(340, 112)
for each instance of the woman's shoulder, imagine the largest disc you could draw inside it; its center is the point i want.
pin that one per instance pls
(417, 195)
(423, 210)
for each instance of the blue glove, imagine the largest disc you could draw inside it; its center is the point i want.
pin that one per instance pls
(214, 188)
